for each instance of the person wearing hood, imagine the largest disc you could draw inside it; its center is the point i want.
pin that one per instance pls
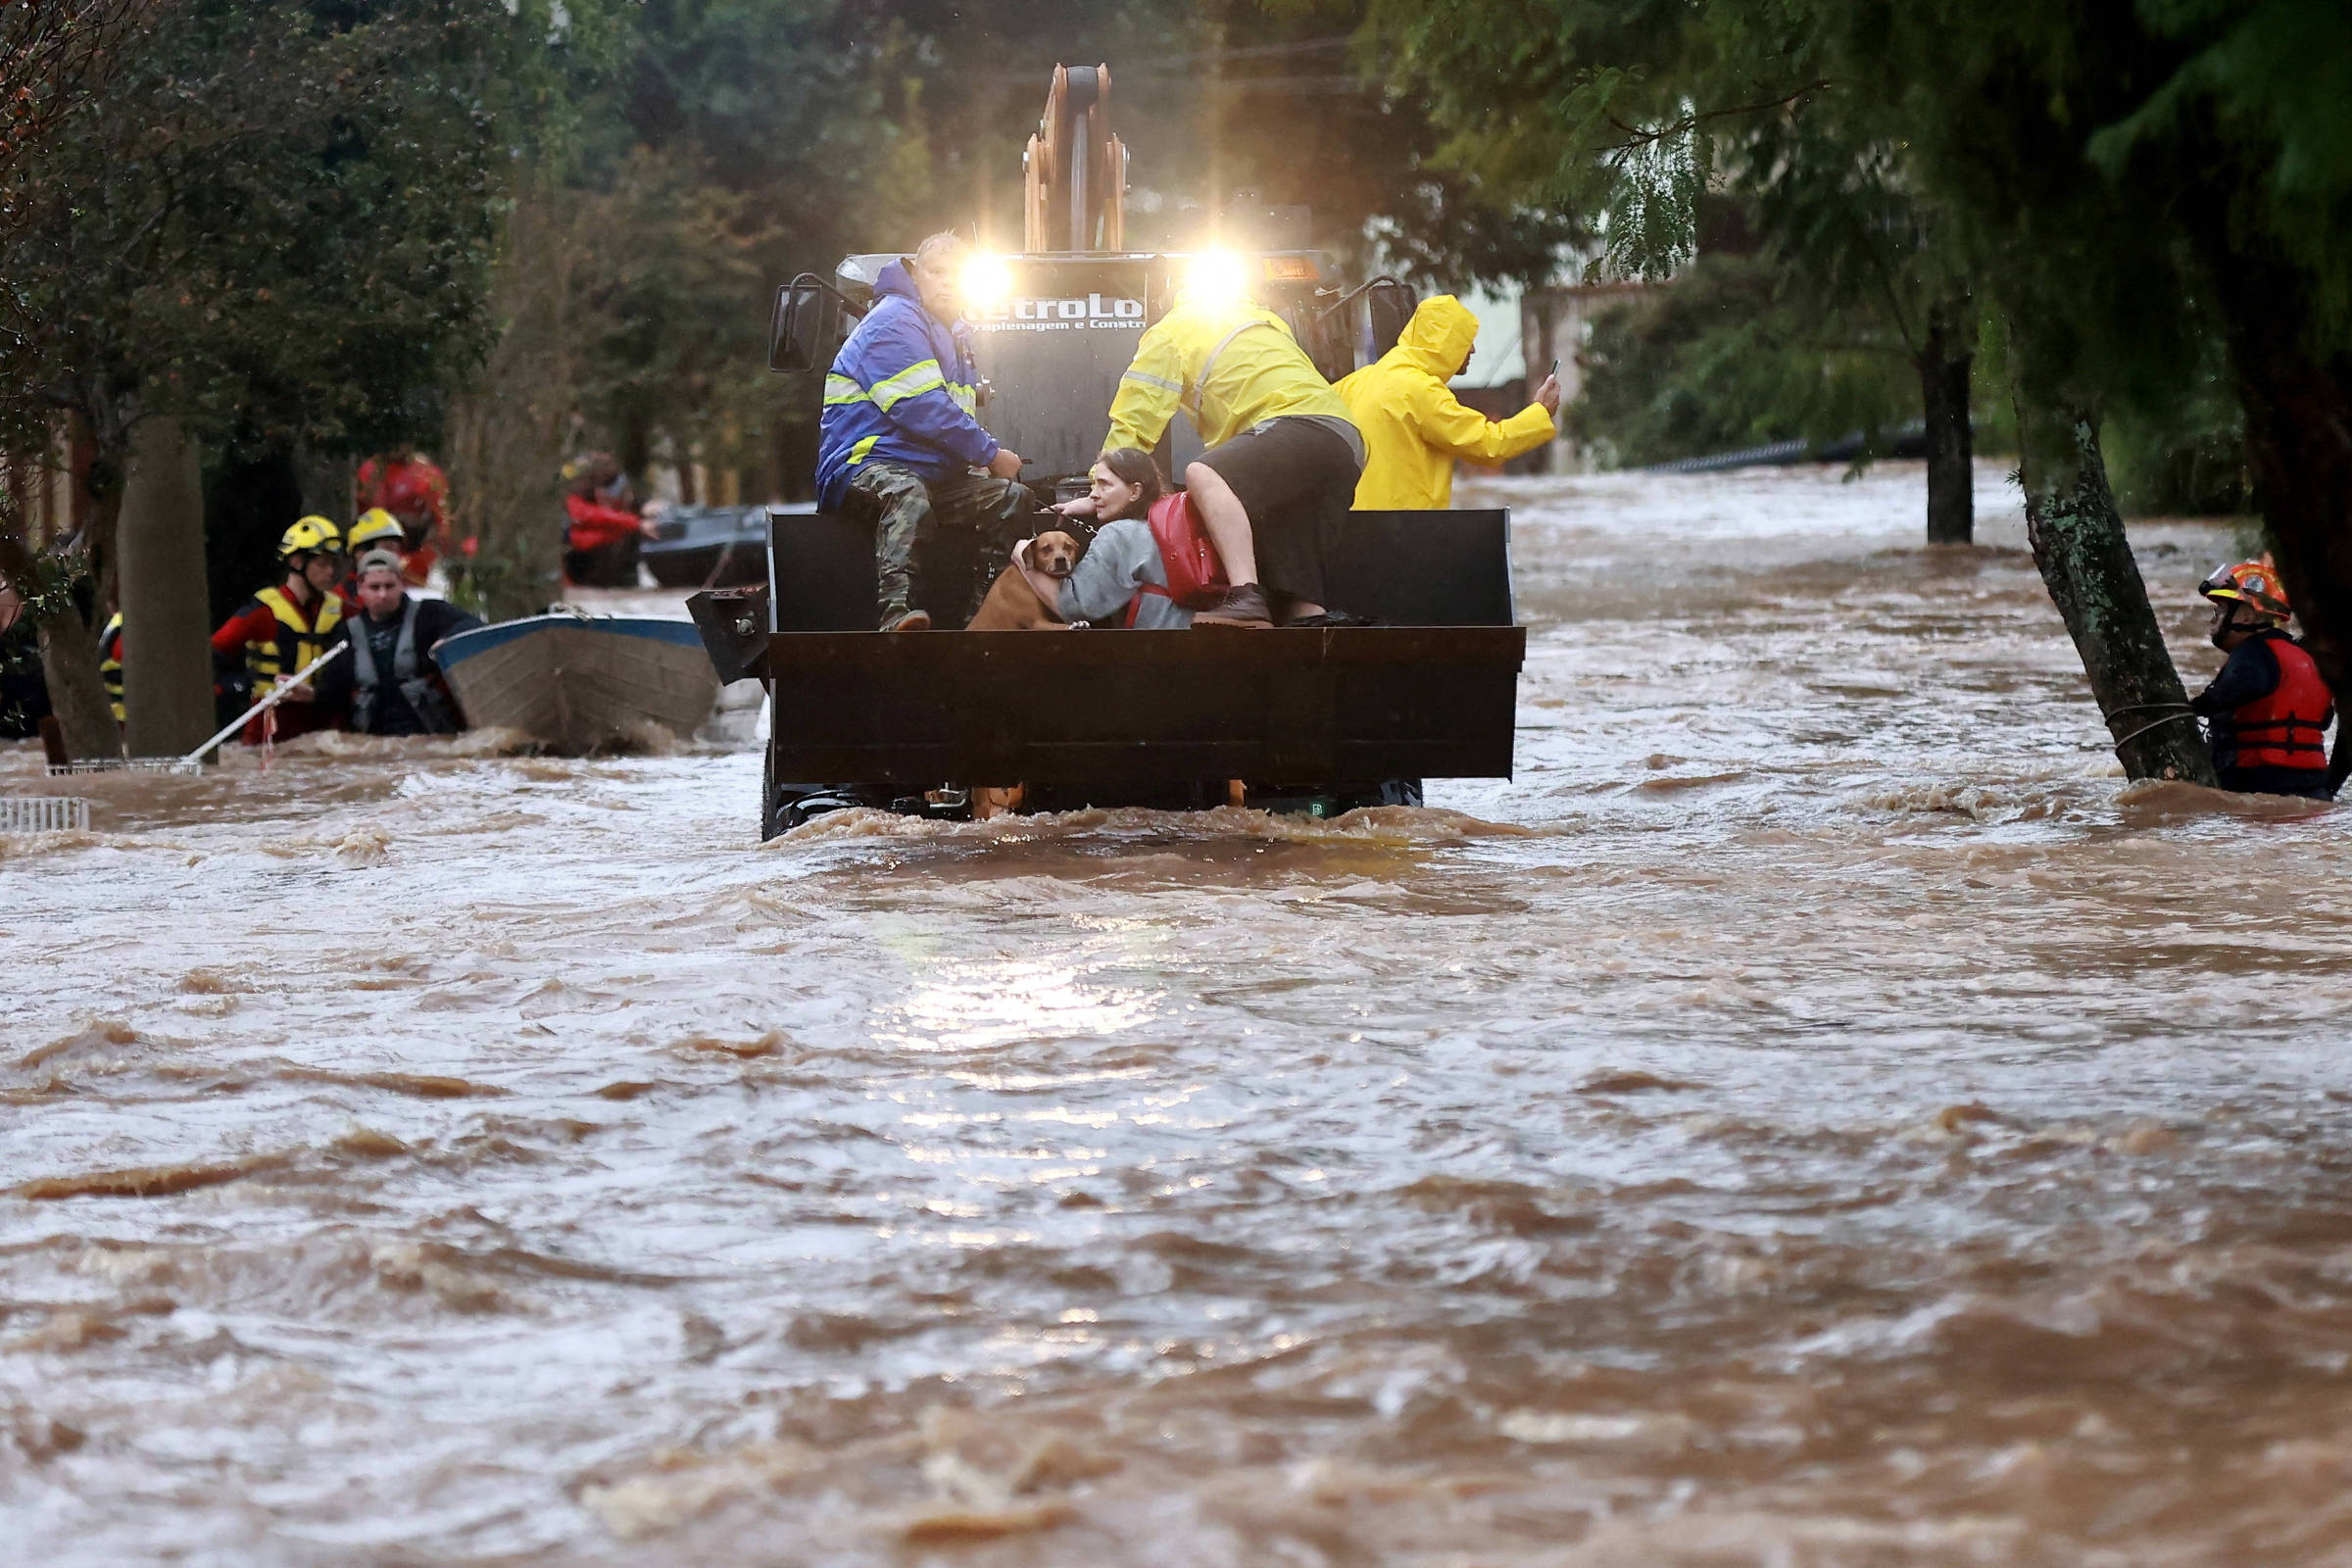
(1414, 427)
(898, 444)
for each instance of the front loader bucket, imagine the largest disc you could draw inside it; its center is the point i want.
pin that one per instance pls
(1144, 711)
(1132, 718)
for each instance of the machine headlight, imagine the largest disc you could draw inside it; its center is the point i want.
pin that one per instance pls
(987, 281)
(1217, 275)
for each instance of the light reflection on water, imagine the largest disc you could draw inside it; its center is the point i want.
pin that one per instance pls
(981, 1007)
(1815, 1113)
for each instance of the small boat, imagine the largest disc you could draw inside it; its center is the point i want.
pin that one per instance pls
(712, 547)
(580, 684)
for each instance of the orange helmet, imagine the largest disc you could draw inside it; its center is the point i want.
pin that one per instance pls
(2253, 584)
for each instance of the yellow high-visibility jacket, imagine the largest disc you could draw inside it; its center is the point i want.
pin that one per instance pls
(1414, 427)
(1227, 364)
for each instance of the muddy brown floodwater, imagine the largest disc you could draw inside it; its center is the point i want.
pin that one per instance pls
(1816, 1113)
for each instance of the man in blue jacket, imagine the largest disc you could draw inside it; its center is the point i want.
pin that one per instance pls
(898, 445)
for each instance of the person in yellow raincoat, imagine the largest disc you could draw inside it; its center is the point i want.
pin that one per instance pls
(1282, 458)
(1414, 427)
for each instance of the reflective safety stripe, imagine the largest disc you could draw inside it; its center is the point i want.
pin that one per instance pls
(110, 664)
(967, 398)
(1148, 379)
(924, 375)
(859, 452)
(841, 389)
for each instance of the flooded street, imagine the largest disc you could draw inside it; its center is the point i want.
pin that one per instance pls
(1815, 1113)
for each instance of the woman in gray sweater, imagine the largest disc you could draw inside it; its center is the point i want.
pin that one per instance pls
(1123, 567)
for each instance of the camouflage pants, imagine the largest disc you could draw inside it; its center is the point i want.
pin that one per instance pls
(908, 514)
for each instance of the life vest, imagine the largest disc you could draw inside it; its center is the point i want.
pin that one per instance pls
(298, 640)
(110, 662)
(407, 672)
(1196, 576)
(2287, 728)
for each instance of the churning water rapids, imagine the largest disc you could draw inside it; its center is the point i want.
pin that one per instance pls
(1816, 1113)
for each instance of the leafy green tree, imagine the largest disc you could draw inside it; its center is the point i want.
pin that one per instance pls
(1640, 116)
(2143, 178)
(1722, 359)
(55, 56)
(1632, 108)
(277, 221)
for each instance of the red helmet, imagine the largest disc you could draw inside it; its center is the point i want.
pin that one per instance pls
(408, 487)
(2252, 583)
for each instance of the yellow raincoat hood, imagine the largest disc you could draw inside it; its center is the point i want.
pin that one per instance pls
(1437, 338)
(1414, 428)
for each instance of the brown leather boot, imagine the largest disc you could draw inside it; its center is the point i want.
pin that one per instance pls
(1243, 607)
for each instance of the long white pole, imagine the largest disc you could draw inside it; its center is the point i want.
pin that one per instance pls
(195, 759)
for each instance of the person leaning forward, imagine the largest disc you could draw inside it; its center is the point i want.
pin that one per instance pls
(1414, 427)
(898, 442)
(396, 687)
(1274, 486)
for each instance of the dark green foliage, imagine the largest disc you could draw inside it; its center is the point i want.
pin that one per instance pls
(2268, 86)
(2191, 463)
(742, 141)
(277, 219)
(249, 495)
(1647, 117)
(274, 226)
(1721, 360)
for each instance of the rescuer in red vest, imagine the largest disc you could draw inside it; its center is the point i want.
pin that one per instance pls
(2268, 709)
(281, 630)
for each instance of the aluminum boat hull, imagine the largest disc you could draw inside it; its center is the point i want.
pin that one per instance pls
(581, 684)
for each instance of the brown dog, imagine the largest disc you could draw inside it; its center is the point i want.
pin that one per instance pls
(1023, 597)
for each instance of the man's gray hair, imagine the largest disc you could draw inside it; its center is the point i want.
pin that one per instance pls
(946, 243)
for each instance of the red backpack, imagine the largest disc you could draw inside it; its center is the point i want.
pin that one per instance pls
(1196, 576)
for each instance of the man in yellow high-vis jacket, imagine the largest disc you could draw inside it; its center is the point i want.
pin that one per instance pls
(1283, 457)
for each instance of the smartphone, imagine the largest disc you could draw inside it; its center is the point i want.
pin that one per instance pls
(1555, 368)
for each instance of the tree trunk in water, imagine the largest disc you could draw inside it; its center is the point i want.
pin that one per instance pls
(1944, 369)
(77, 694)
(69, 656)
(506, 435)
(2085, 559)
(166, 651)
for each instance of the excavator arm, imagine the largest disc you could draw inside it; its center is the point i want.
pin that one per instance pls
(1074, 185)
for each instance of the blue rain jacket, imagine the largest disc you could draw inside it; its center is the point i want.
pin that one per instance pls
(902, 389)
